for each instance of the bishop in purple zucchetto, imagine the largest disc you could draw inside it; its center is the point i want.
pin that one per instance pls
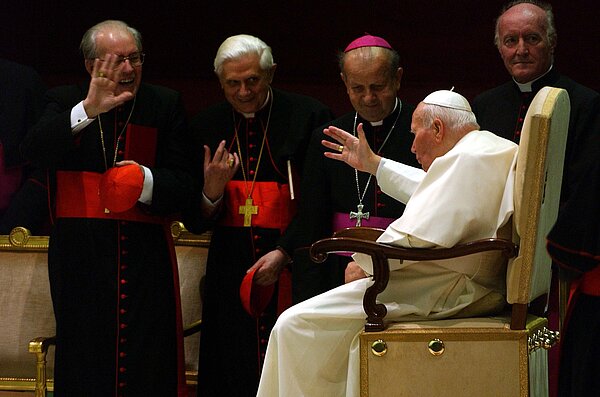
(368, 41)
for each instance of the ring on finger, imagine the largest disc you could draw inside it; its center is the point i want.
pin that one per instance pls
(101, 74)
(230, 162)
(340, 148)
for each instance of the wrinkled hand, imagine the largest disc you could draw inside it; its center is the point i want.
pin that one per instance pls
(218, 170)
(356, 152)
(353, 272)
(130, 162)
(269, 266)
(102, 94)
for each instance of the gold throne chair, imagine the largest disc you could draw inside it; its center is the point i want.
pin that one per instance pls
(28, 317)
(503, 355)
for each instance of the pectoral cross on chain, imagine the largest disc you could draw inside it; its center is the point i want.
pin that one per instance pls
(248, 210)
(359, 215)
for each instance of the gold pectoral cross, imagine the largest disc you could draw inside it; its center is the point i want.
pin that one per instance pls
(248, 210)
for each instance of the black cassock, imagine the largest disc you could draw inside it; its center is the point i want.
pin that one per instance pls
(574, 244)
(329, 190)
(502, 110)
(232, 342)
(113, 282)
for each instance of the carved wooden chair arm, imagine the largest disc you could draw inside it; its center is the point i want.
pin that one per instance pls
(380, 253)
(364, 233)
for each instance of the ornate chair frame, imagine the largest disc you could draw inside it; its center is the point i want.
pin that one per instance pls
(20, 240)
(538, 182)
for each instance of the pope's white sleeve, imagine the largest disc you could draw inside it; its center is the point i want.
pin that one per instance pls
(398, 180)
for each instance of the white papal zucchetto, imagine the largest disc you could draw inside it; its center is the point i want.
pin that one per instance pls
(448, 99)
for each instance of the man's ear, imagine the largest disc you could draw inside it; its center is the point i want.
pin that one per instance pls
(398, 75)
(439, 131)
(89, 66)
(271, 73)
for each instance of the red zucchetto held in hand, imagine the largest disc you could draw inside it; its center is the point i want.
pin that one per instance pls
(121, 187)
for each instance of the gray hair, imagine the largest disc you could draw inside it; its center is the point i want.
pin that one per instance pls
(238, 46)
(372, 53)
(88, 42)
(453, 119)
(551, 34)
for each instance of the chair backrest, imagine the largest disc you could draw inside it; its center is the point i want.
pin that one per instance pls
(537, 193)
(25, 307)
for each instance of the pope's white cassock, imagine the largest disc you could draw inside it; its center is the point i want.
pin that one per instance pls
(466, 195)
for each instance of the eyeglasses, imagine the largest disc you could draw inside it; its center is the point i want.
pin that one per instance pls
(135, 59)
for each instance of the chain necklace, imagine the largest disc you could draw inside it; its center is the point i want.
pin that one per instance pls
(118, 138)
(359, 215)
(249, 209)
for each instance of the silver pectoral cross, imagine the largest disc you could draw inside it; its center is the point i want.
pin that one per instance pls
(359, 215)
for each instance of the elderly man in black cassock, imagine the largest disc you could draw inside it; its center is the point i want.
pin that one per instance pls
(254, 148)
(117, 152)
(334, 195)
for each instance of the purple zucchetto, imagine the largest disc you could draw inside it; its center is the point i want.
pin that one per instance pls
(368, 41)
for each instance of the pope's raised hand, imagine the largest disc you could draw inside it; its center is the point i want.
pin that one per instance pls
(354, 151)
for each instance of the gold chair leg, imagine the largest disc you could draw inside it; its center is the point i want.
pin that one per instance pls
(39, 346)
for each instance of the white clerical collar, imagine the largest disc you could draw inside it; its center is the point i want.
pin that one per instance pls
(526, 87)
(380, 122)
(251, 115)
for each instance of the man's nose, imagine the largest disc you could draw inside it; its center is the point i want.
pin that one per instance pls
(126, 65)
(370, 96)
(522, 47)
(244, 89)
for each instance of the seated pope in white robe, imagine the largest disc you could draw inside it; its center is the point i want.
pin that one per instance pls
(463, 193)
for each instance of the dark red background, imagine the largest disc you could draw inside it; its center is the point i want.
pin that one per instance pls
(442, 43)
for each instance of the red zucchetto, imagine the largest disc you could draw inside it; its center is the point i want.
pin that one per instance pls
(121, 187)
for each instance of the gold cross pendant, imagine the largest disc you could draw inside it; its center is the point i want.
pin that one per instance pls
(248, 210)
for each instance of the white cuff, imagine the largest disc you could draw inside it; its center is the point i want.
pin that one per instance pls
(79, 118)
(146, 196)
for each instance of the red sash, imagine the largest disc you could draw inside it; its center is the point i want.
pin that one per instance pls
(10, 180)
(275, 206)
(77, 197)
(590, 282)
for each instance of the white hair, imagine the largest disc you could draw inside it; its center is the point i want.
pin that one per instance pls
(238, 46)
(454, 119)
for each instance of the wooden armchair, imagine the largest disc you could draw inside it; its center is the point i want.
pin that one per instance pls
(28, 318)
(483, 356)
